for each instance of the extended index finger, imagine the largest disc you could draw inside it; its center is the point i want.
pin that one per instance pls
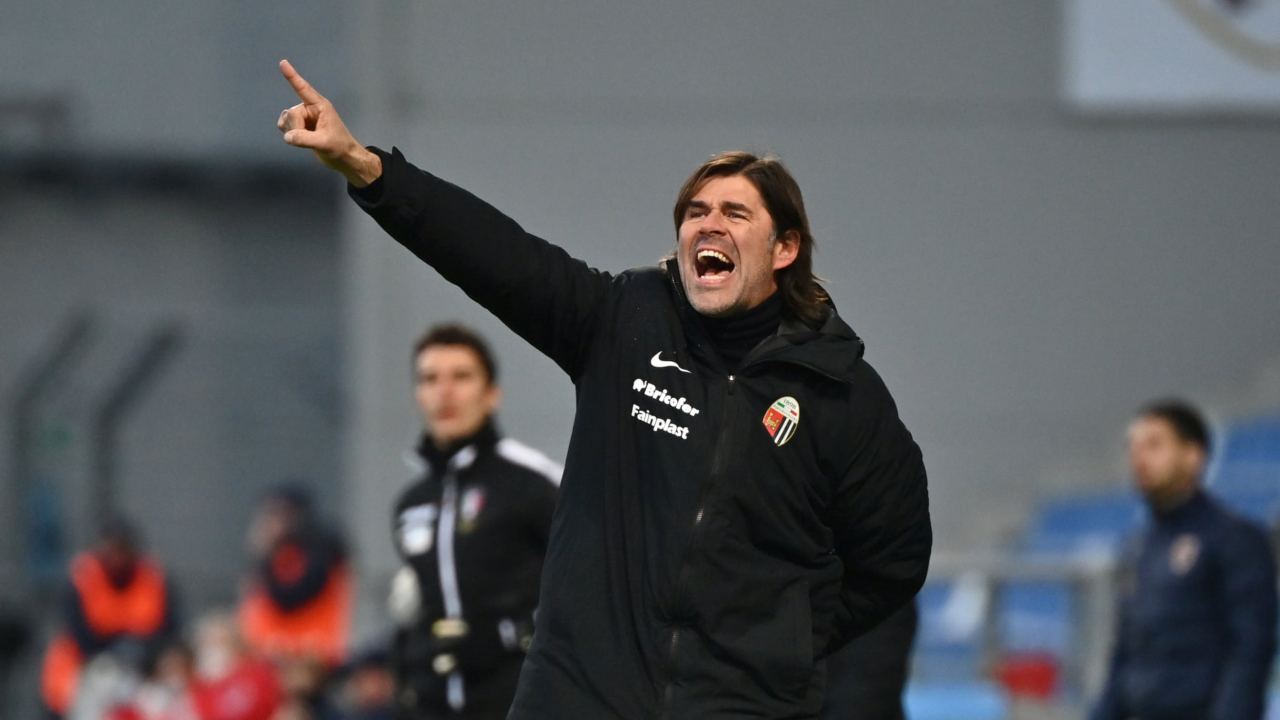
(307, 93)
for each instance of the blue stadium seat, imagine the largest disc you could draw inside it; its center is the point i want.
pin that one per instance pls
(948, 646)
(955, 701)
(1036, 617)
(1252, 440)
(1081, 523)
(1260, 505)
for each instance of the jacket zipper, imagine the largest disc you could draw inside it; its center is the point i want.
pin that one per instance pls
(456, 693)
(718, 463)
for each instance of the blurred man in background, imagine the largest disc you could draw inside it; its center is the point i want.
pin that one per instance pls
(1197, 626)
(367, 687)
(14, 638)
(472, 531)
(118, 600)
(298, 600)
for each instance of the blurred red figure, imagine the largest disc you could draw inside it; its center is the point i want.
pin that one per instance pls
(116, 597)
(233, 683)
(298, 600)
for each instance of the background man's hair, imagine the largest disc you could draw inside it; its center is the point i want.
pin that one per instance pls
(114, 527)
(803, 297)
(458, 334)
(292, 493)
(1188, 423)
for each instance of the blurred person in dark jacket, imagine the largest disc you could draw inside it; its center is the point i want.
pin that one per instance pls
(1197, 625)
(367, 687)
(14, 638)
(865, 678)
(306, 683)
(117, 599)
(299, 594)
(472, 531)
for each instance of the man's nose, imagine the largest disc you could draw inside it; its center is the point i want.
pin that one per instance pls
(712, 223)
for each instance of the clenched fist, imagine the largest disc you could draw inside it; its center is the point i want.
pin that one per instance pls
(314, 124)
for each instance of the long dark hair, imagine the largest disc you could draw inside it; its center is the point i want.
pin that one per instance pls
(803, 296)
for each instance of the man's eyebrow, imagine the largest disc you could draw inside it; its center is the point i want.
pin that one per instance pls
(726, 205)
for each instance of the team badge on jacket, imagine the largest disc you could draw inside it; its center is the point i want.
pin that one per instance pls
(1183, 553)
(781, 419)
(472, 504)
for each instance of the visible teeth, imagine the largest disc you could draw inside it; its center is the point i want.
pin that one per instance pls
(714, 254)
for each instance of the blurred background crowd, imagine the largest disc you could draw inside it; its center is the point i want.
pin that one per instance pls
(1039, 215)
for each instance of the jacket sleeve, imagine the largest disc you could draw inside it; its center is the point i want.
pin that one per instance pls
(535, 288)
(540, 509)
(879, 516)
(1249, 602)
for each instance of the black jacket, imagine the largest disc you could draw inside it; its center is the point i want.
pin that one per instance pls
(473, 530)
(708, 549)
(1197, 630)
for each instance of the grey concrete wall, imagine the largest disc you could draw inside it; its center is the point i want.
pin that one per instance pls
(161, 79)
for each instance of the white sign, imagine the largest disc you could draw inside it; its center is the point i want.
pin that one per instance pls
(1172, 56)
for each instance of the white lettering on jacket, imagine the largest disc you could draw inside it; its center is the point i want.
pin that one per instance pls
(658, 423)
(650, 390)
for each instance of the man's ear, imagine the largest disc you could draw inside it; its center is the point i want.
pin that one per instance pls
(785, 249)
(493, 398)
(1200, 459)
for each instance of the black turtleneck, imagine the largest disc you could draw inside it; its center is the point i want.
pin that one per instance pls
(733, 337)
(438, 457)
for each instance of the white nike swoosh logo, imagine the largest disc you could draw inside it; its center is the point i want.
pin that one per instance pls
(658, 362)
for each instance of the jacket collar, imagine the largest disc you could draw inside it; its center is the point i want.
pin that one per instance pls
(1195, 505)
(458, 455)
(833, 349)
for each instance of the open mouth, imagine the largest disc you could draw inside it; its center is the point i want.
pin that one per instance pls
(712, 265)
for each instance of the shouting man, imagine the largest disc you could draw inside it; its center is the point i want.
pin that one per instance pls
(739, 498)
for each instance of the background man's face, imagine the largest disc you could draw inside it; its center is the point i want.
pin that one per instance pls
(273, 521)
(1160, 461)
(453, 392)
(118, 557)
(726, 250)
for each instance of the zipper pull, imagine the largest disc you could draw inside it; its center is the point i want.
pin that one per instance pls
(732, 378)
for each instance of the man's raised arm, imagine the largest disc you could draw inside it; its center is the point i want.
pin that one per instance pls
(536, 288)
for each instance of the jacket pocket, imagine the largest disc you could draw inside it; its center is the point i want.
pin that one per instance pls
(789, 653)
(802, 647)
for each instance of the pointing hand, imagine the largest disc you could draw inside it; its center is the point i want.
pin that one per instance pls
(315, 124)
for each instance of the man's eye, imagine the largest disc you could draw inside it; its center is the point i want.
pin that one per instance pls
(737, 215)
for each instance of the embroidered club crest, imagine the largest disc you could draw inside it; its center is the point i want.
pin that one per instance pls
(782, 419)
(1183, 553)
(472, 504)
